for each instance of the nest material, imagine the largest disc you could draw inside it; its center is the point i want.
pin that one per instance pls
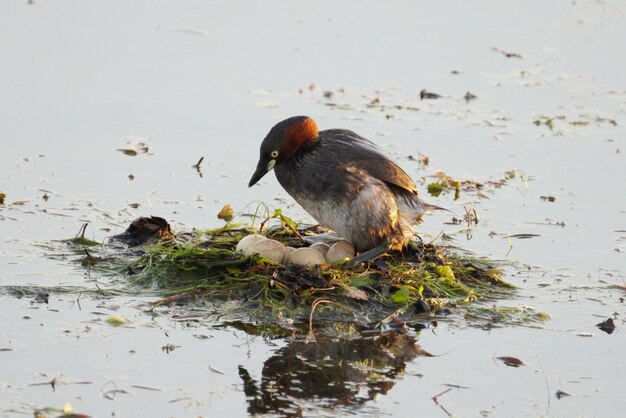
(425, 278)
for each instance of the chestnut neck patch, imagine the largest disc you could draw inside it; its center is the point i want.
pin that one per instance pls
(300, 133)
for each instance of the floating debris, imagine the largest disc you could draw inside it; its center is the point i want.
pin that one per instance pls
(583, 120)
(436, 188)
(134, 150)
(522, 236)
(560, 394)
(146, 388)
(506, 54)
(215, 370)
(428, 95)
(80, 240)
(607, 326)
(131, 152)
(469, 97)
(197, 166)
(547, 121)
(168, 348)
(41, 297)
(600, 119)
(511, 361)
(446, 183)
(116, 320)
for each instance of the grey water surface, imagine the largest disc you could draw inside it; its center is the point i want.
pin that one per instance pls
(81, 79)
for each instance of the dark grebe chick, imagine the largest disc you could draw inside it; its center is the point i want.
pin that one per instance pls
(345, 182)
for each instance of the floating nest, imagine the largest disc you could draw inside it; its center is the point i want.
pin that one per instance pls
(425, 279)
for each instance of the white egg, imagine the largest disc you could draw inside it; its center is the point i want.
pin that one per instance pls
(288, 251)
(340, 251)
(246, 242)
(320, 247)
(269, 248)
(306, 257)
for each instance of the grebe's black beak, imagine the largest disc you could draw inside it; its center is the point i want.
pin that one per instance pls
(261, 169)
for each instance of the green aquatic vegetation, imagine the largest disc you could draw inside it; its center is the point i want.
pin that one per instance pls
(30, 291)
(116, 320)
(544, 120)
(506, 315)
(436, 188)
(80, 241)
(446, 183)
(66, 411)
(583, 120)
(204, 265)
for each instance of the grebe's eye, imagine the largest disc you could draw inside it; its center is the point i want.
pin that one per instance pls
(274, 154)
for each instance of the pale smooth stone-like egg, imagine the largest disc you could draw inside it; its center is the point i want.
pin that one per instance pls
(268, 248)
(340, 251)
(243, 246)
(321, 248)
(306, 257)
(288, 251)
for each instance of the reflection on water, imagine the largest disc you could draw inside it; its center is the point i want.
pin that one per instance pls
(329, 371)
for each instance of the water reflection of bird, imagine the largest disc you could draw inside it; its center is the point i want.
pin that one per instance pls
(332, 371)
(345, 182)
